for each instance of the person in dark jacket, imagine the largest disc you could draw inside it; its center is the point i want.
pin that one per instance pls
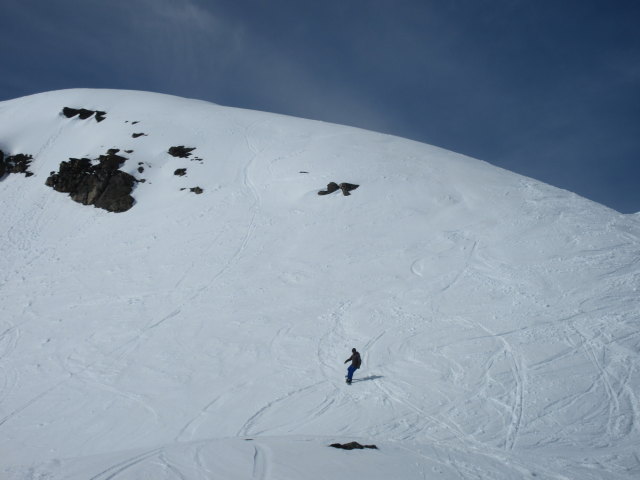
(356, 361)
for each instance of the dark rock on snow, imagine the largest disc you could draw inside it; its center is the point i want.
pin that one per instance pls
(352, 446)
(136, 135)
(196, 190)
(101, 185)
(18, 163)
(334, 187)
(83, 113)
(180, 151)
(347, 187)
(181, 172)
(331, 187)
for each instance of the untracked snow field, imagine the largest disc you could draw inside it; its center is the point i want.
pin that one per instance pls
(202, 336)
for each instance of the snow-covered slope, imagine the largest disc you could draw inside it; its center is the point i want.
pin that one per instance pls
(203, 335)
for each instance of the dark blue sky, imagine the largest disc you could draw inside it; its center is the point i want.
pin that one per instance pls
(546, 88)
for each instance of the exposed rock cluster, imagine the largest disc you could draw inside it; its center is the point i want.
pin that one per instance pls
(83, 113)
(98, 182)
(18, 163)
(102, 185)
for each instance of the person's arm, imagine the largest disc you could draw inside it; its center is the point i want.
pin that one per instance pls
(348, 359)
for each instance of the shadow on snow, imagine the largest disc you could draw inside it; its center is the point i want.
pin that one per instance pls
(364, 379)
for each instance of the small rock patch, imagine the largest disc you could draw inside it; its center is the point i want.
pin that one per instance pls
(180, 151)
(334, 187)
(352, 446)
(196, 190)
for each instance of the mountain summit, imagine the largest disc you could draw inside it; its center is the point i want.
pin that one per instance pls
(178, 301)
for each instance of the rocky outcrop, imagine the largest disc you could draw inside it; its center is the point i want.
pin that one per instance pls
(102, 185)
(347, 187)
(334, 187)
(18, 163)
(180, 151)
(180, 172)
(351, 446)
(83, 113)
(331, 187)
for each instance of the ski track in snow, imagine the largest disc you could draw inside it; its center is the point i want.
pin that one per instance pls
(248, 426)
(618, 425)
(519, 376)
(119, 469)
(229, 263)
(253, 212)
(191, 426)
(260, 462)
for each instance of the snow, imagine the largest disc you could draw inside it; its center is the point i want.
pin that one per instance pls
(203, 336)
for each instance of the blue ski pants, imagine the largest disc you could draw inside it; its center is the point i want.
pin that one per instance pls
(350, 371)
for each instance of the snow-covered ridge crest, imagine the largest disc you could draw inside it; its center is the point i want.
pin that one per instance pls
(496, 315)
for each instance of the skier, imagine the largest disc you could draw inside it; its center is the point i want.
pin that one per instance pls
(355, 364)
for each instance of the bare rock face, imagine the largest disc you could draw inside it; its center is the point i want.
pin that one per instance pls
(102, 185)
(180, 172)
(18, 163)
(180, 151)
